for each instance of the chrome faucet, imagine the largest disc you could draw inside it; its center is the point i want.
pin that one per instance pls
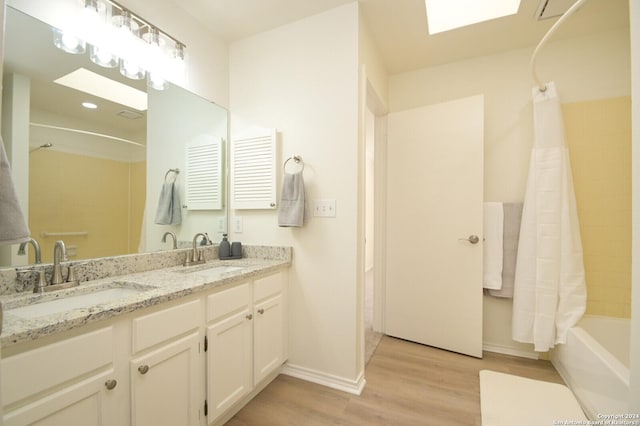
(172, 235)
(36, 249)
(59, 255)
(195, 256)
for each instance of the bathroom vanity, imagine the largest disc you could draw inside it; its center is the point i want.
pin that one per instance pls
(173, 346)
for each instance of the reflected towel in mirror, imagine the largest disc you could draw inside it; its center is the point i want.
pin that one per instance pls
(13, 225)
(169, 212)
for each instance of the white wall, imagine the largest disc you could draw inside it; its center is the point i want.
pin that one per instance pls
(302, 79)
(634, 399)
(583, 68)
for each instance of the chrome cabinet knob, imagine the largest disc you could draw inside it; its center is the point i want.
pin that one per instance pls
(143, 369)
(249, 316)
(261, 311)
(110, 384)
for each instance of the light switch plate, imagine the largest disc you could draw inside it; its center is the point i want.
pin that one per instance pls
(324, 208)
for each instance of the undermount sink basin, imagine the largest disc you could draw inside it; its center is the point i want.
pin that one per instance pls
(62, 303)
(213, 272)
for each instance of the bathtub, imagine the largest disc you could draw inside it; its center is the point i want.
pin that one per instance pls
(595, 364)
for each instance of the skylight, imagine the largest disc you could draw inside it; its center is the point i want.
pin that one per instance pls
(445, 15)
(94, 84)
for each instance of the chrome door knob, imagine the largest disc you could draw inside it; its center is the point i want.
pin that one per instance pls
(473, 239)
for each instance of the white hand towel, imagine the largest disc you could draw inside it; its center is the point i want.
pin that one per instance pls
(13, 225)
(492, 261)
(291, 211)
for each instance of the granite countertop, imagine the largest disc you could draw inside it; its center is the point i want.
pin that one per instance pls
(141, 290)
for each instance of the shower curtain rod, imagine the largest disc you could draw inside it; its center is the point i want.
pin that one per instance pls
(85, 132)
(577, 5)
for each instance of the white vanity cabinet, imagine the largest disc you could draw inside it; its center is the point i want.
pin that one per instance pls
(246, 331)
(73, 381)
(165, 369)
(186, 362)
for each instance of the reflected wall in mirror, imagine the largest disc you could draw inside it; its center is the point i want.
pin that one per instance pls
(92, 177)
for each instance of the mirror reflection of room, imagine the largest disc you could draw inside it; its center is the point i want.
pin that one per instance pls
(86, 177)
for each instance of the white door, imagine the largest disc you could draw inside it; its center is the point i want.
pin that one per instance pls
(434, 212)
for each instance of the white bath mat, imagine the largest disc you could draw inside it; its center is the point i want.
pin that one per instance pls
(507, 400)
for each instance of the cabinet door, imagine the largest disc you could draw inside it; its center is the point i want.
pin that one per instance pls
(268, 337)
(85, 403)
(229, 361)
(165, 386)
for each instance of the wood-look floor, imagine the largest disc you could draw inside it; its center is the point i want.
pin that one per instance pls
(407, 384)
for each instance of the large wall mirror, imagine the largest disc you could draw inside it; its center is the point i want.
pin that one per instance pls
(95, 175)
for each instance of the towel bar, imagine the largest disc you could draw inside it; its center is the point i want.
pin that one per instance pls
(65, 234)
(176, 171)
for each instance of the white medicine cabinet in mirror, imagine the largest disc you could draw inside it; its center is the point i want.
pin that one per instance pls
(93, 177)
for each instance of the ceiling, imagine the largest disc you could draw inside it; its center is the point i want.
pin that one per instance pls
(399, 27)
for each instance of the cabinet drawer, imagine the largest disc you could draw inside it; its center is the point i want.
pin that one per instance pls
(35, 371)
(228, 301)
(267, 286)
(151, 329)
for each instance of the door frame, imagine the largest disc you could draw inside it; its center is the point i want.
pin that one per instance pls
(380, 112)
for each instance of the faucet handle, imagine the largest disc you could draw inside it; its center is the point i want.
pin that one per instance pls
(72, 276)
(41, 284)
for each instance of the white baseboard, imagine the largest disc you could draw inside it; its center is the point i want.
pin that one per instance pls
(507, 350)
(329, 380)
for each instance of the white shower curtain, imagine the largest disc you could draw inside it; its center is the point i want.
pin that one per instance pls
(550, 293)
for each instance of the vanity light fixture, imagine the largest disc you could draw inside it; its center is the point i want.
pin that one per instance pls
(118, 37)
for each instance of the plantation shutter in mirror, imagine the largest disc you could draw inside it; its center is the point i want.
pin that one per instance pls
(204, 174)
(253, 171)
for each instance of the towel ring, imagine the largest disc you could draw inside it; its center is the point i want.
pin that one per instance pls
(176, 171)
(295, 158)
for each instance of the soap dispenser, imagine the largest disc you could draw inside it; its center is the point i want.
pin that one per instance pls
(224, 251)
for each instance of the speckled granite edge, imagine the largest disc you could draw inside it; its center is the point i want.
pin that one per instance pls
(156, 286)
(23, 278)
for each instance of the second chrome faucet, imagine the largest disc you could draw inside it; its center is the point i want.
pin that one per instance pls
(195, 256)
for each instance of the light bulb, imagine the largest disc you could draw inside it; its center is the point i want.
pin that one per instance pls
(68, 42)
(156, 81)
(131, 70)
(101, 56)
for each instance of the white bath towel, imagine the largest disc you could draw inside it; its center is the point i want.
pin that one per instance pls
(13, 225)
(492, 253)
(550, 292)
(169, 209)
(292, 211)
